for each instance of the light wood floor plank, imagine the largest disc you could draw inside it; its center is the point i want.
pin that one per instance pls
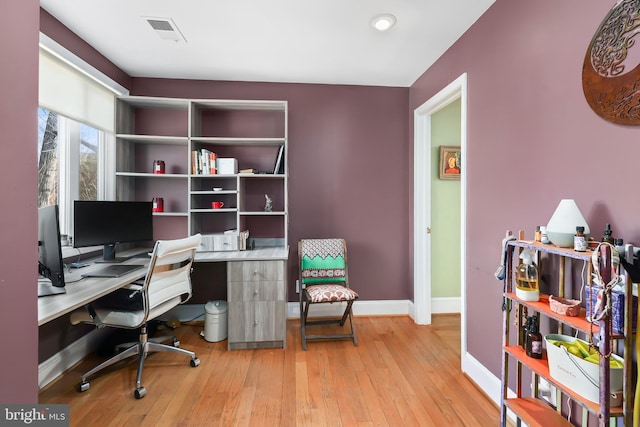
(401, 374)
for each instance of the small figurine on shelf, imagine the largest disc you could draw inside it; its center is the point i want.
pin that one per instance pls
(268, 205)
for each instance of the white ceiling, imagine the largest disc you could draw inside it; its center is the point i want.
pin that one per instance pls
(294, 41)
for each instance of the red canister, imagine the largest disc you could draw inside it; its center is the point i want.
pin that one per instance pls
(157, 204)
(158, 166)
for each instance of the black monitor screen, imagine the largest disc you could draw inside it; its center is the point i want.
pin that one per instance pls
(49, 251)
(100, 222)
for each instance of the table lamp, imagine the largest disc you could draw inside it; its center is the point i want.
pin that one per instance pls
(562, 225)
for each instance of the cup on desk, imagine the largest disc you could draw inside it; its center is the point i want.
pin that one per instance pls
(217, 205)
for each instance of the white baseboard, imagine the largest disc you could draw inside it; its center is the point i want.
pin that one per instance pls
(485, 380)
(57, 364)
(443, 305)
(360, 308)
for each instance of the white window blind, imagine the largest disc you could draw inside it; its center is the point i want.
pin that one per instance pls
(70, 92)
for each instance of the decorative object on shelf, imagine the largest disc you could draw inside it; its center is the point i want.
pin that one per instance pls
(268, 204)
(564, 306)
(611, 91)
(157, 204)
(158, 166)
(217, 188)
(450, 162)
(562, 225)
(217, 205)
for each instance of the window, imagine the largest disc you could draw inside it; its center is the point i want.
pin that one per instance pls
(70, 163)
(76, 144)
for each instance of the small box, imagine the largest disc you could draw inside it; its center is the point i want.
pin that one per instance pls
(617, 306)
(227, 166)
(577, 374)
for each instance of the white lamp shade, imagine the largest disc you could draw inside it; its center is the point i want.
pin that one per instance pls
(562, 225)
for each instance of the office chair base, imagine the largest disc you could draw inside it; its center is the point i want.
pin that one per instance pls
(140, 349)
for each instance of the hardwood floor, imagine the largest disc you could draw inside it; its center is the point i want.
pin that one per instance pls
(401, 374)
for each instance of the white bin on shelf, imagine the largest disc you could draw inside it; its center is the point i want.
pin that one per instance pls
(215, 321)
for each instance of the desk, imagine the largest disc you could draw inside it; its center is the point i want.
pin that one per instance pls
(86, 290)
(256, 290)
(256, 294)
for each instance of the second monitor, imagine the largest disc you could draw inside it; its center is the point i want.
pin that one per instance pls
(108, 223)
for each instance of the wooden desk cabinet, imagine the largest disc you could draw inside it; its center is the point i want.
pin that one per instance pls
(257, 301)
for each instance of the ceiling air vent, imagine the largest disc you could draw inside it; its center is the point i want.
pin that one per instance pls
(165, 28)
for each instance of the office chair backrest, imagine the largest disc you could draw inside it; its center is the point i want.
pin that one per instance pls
(323, 261)
(168, 277)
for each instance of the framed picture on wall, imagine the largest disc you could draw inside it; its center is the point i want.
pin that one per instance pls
(450, 166)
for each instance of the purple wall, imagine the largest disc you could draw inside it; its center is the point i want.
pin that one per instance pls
(18, 121)
(348, 159)
(532, 135)
(61, 34)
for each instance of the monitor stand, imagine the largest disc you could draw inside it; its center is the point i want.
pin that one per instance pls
(109, 255)
(45, 288)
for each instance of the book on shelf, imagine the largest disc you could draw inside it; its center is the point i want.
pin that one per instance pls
(203, 162)
(279, 166)
(248, 170)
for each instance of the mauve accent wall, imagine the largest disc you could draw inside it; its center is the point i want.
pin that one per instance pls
(18, 216)
(67, 38)
(348, 171)
(532, 136)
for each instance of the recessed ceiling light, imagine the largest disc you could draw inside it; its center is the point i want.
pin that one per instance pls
(383, 22)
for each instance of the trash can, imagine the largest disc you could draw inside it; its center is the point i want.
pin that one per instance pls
(215, 321)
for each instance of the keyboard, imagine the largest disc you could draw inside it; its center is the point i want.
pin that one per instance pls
(113, 270)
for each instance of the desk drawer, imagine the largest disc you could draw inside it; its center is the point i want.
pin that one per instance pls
(254, 322)
(253, 271)
(267, 290)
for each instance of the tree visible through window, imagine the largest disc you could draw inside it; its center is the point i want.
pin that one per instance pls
(47, 158)
(68, 163)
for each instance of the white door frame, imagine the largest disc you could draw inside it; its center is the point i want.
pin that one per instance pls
(422, 201)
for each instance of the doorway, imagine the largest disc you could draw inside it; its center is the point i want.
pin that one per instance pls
(422, 201)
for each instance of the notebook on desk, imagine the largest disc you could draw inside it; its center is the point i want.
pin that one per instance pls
(113, 270)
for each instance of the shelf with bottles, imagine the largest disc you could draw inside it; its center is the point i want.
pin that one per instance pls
(557, 257)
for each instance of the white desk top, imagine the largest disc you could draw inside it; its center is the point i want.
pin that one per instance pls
(89, 289)
(85, 290)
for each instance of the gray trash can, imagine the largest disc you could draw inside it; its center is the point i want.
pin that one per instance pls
(215, 321)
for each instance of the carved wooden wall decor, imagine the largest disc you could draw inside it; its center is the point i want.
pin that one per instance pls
(611, 86)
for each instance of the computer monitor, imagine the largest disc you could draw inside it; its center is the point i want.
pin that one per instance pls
(108, 223)
(50, 263)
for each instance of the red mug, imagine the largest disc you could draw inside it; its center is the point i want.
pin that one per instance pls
(217, 205)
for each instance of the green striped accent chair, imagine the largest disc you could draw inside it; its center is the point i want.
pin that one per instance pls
(324, 279)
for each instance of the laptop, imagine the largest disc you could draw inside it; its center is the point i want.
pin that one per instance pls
(113, 270)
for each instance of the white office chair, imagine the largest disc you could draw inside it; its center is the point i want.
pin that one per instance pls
(166, 285)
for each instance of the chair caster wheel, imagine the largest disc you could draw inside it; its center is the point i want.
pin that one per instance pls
(83, 386)
(139, 393)
(195, 362)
